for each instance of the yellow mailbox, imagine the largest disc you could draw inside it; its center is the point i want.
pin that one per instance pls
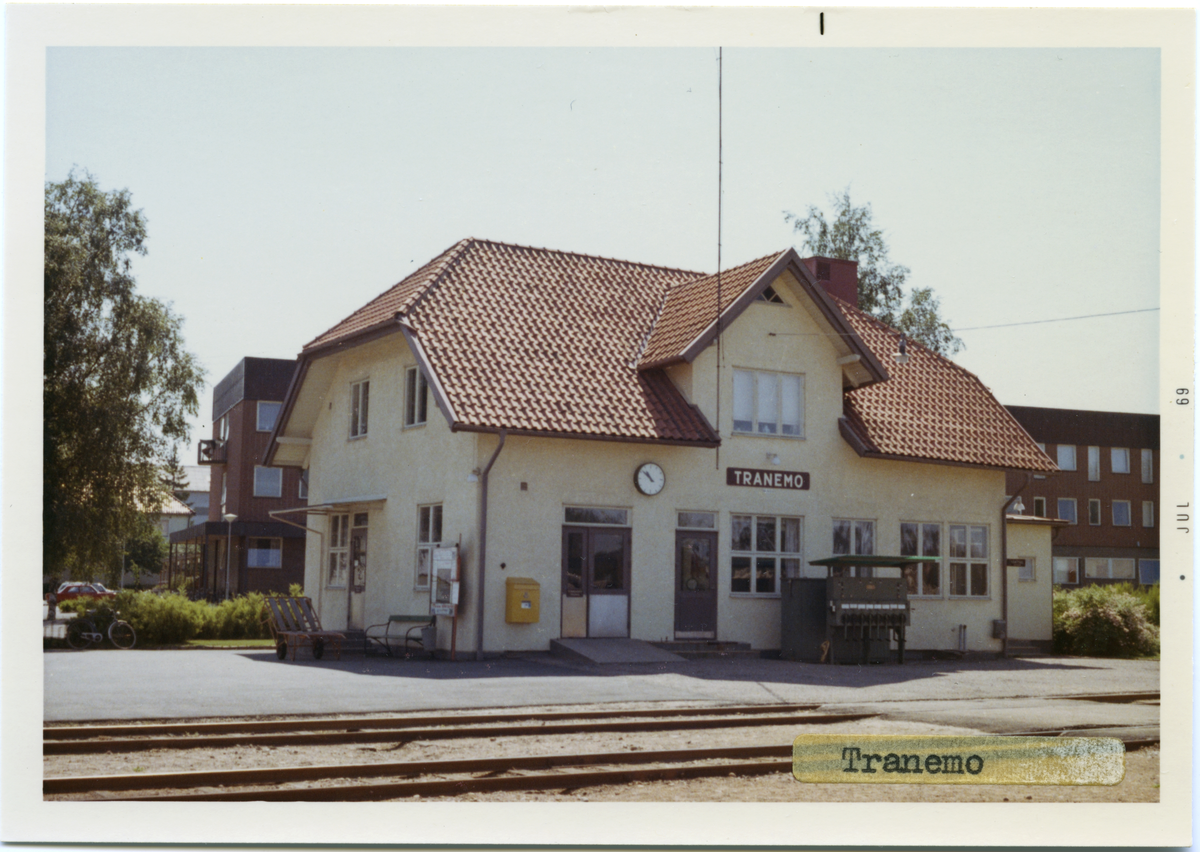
(523, 601)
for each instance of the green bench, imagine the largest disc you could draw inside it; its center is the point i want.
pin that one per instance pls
(385, 634)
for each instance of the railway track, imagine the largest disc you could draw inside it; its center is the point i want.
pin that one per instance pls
(378, 781)
(132, 738)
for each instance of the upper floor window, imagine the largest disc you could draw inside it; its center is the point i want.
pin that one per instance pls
(969, 565)
(763, 546)
(222, 428)
(1120, 460)
(268, 413)
(768, 403)
(302, 492)
(1066, 457)
(1147, 513)
(1094, 512)
(1094, 464)
(268, 481)
(1039, 507)
(416, 397)
(360, 395)
(1066, 510)
(1121, 513)
(1147, 466)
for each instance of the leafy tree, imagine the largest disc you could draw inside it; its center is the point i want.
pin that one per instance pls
(173, 474)
(852, 235)
(145, 553)
(117, 384)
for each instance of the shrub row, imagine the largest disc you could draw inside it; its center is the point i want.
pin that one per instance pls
(172, 619)
(1105, 621)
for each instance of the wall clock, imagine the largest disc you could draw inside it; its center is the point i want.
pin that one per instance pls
(650, 479)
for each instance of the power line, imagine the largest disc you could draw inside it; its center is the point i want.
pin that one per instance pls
(1059, 319)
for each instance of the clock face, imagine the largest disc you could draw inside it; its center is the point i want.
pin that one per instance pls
(650, 479)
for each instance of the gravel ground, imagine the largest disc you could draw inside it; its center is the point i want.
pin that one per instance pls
(1139, 785)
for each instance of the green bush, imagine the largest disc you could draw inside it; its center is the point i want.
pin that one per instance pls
(1103, 621)
(172, 619)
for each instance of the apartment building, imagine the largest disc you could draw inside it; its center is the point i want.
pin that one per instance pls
(1107, 492)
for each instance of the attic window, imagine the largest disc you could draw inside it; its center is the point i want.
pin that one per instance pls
(823, 273)
(769, 295)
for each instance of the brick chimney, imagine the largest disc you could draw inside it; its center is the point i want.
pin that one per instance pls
(838, 277)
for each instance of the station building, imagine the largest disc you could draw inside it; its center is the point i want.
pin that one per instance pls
(652, 451)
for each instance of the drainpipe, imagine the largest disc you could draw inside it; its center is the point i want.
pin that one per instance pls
(483, 505)
(1004, 561)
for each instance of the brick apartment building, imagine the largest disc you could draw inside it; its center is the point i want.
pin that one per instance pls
(266, 554)
(1107, 492)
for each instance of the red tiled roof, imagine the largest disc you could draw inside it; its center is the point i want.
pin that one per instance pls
(689, 309)
(930, 408)
(544, 341)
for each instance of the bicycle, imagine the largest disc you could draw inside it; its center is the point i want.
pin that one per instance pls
(82, 633)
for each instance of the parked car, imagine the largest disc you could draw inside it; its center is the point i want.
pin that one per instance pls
(70, 591)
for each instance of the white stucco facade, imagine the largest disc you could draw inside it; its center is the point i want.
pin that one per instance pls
(392, 471)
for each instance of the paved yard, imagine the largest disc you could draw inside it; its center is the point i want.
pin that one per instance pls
(206, 683)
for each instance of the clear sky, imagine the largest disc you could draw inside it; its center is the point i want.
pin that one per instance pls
(285, 187)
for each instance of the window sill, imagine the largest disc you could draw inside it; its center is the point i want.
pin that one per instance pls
(408, 426)
(739, 434)
(356, 437)
(756, 596)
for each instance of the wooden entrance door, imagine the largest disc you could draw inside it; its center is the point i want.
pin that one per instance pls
(695, 585)
(595, 582)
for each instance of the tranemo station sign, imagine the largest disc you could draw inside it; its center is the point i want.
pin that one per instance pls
(791, 479)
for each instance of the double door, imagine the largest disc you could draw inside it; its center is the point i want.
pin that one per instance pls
(595, 582)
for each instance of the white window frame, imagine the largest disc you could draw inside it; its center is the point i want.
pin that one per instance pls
(338, 548)
(1148, 466)
(1148, 514)
(263, 491)
(785, 562)
(416, 397)
(360, 408)
(1121, 453)
(1095, 518)
(430, 520)
(1128, 513)
(915, 574)
(1103, 568)
(1093, 464)
(855, 545)
(1039, 502)
(1074, 519)
(971, 557)
(757, 379)
(1065, 457)
(250, 551)
(1064, 566)
(258, 415)
(1027, 573)
(302, 488)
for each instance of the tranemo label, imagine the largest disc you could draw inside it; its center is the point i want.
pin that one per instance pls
(793, 479)
(831, 759)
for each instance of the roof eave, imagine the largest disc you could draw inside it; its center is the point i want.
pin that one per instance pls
(860, 447)
(587, 436)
